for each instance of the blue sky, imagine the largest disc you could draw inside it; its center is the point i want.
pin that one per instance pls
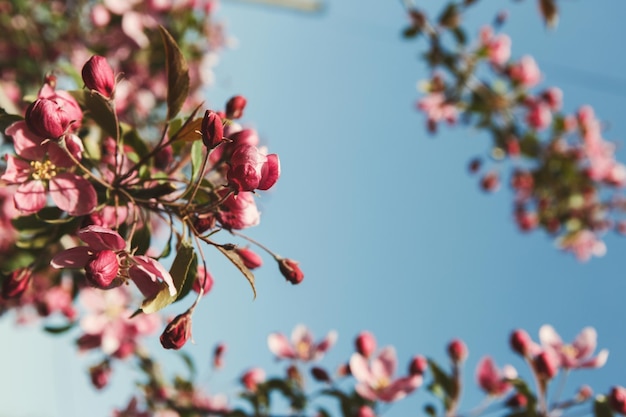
(392, 233)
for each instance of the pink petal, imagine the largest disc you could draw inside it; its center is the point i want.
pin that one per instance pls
(26, 143)
(596, 362)
(549, 337)
(72, 258)
(94, 324)
(156, 271)
(17, 171)
(400, 388)
(360, 369)
(301, 334)
(101, 238)
(147, 283)
(270, 172)
(30, 197)
(487, 374)
(280, 346)
(388, 360)
(73, 194)
(585, 342)
(325, 344)
(366, 392)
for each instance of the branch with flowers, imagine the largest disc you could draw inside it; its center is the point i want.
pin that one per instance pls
(564, 174)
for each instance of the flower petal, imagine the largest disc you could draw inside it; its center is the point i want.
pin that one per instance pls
(101, 238)
(30, 197)
(549, 337)
(360, 369)
(270, 172)
(155, 270)
(585, 342)
(72, 258)
(73, 194)
(280, 346)
(27, 144)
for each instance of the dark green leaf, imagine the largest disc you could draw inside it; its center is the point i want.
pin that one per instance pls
(411, 32)
(141, 240)
(99, 109)
(7, 119)
(132, 139)
(601, 408)
(58, 329)
(192, 274)
(236, 260)
(459, 35)
(430, 410)
(177, 75)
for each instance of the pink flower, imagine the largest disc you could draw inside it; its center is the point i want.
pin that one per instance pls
(617, 399)
(375, 379)
(239, 212)
(457, 350)
(525, 72)
(365, 344)
(498, 47)
(98, 75)
(54, 113)
(583, 244)
(437, 108)
(43, 167)
(177, 332)
(493, 380)
(212, 129)
(291, 270)
(250, 169)
(302, 346)
(235, 106)
(203, 281)
(578, 354)
(249, 258)
(148, 274)
(253, 377)
(539, 116)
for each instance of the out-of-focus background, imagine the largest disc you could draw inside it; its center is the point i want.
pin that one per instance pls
(393, 234)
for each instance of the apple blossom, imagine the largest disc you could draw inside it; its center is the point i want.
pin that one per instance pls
(302, 346)
(492, 380)
(457, 350)
(253, 377)
(576, 355)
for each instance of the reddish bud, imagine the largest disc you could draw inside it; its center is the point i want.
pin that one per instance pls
(290, 270)
(14, 285)
(521, 342)
(177, 332)
(418, 365)
(490, 182)
(102, 269)
(100, 375)
(365, 344)
(203, 281)
(249, 258)
(47, 119)
(252, 378)
(546, 365)
(365, 411)
(474, 165)
(212, 129)
(617, 399)
(205, 223)
(517, 400)
(584, 393)
(457, 351)
(320, 374)
(344, 370)
(98, 75)
(164, 157)
(218, 355)
(235, 107)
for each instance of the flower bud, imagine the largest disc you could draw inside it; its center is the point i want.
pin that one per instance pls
(320, 374)
(14, 285)
(584, 393)
(252, 378)
(418, 365)
(516, 400)
(365, 344)
(235, 106)
(98, 75)
(249, 258)
(212, 129)
(218, 355)
(490, 181)
(521, 342)
(474, 165)
(546, 365)
(100, 375)
(290, 270)
(617, 399)
(365, 411)
(457, 351)
(102, 269)
(343, 370)
(177, 332)
(47, 119)
(203, 281)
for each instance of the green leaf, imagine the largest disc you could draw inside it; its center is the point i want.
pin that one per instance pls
(197, 157)
(177, 74)
(179, 270)
(132, 138)
(58, 329)
(411, 32)
(459, 35)
(141, 240)
(7, 119)
(18, 260)
(601, 407)
(430, 410)
(189, 362)
(234, 257)
(192, 274)
(99, 109)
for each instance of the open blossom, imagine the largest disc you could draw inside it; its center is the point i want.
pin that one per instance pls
(41, 168)
(583, 244)
(375, 380)
(253, 377)
(578, 354)
(437, 108)
(525, 72)
(302, 346)
(498, 47)
(148, 274)
(493, 380)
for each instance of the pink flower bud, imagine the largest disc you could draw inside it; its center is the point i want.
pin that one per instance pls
(212, 129)
(320, 374)
(617, 399)
(235, 106)
(517, 400)
(102, 269)
(250, 169)
(218, 355)
(418, 365)
(365, 411)
(474, 165)
(14, 285)
(98, 75)
(584, 393)
(203, 281)
(290, 270)
(249, 258)
(252, 378)
(457, 351)
(100, 375)
(521, 342)
(546, 364)
(365, 344)
(47, 119)
(177, 332)
(490, 182)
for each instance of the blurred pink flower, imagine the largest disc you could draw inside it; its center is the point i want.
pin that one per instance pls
(493, 380)
(437, 108)
(498, 47)
(525, 72)
(375, 379)
(583, 244)
(302, 346)
(578, 354)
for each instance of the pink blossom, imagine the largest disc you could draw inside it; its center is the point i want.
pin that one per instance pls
(108, 319)
(375, 380)
(578, 354)
(148, 274)
(437, 108)
(249, 258)
(239, 212)
(525, 72)
(302, 346)
(493, 380)
(539, 116)
(250, 169)
(365, 344)
(54, 113)
(498, 47)
(583, 244)
(42, 168)
(98, 75)
(253, 377)
(203, 281)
